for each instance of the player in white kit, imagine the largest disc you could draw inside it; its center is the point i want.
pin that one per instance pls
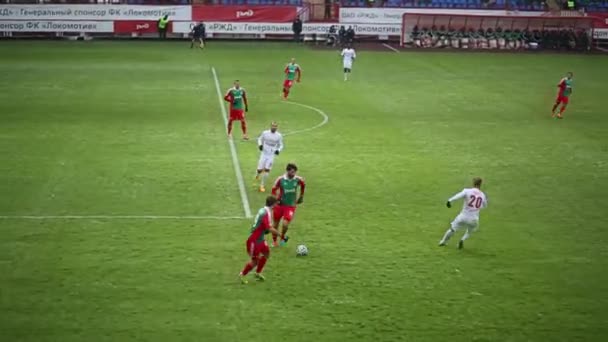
(270, 144)
(474, 201)
(348, 57)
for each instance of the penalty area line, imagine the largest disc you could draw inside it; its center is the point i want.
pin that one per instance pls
(117, 217)
(390, 47)
(235, 158)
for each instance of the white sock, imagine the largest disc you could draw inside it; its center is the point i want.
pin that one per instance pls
(448, 234)
(466, 235)
(345, 76)
(264, 175)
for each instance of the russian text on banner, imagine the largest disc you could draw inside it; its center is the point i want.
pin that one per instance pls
(35, 26)
(260, 14)
(93, 12)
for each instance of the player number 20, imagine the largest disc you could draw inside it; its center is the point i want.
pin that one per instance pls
(475, 202)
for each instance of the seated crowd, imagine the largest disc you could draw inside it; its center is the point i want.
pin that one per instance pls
(462, 38)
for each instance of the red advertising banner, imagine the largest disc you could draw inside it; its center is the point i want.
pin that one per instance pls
(268, 14)
(601, 20)
(136, 26)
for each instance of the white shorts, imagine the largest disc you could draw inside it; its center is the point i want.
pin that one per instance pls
(348, 64)
(465, 221)
(265, 162)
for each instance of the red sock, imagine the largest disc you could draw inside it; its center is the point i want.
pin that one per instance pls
(274, 237)
(561, 111)
(244, 127)
(555, 107)
(282, 236)
(248, 268)
(285, 93)
(261, 263)
(229, 126)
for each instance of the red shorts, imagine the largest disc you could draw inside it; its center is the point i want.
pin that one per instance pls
(287, 84)
(255, 249)
(284, 212)
(237, 115)
(562, 99)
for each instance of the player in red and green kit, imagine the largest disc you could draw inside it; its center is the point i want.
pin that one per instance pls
(292, 73)
(563, 95)
(286, 190)
(257, 248)
(238, 106)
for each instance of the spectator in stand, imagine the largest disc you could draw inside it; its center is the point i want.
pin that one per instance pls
(328, 5)
(296, 27)
(350, 35)
(162, 26)
(342, 35)
(332, 37)
(582, 40)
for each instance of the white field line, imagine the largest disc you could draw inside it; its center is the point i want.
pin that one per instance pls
(115, 217)
(389, 47)
(235, 159)
(322, 123)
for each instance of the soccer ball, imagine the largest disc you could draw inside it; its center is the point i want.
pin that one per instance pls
(301, 250)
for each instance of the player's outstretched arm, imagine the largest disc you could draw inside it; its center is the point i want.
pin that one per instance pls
(299, 72)
(261, 141)
(455, 198)
(228, 97)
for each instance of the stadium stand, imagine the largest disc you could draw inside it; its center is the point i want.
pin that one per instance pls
(164, 2)
(523, 5)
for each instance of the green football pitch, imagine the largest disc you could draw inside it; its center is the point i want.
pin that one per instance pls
(122, 216)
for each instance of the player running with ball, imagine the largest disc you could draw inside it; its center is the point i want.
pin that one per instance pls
(292, 72)
(257, 248)
(563, 95)
(348, 57)
(285, 189)
(270, 144)
(474, 201)
(238, 106)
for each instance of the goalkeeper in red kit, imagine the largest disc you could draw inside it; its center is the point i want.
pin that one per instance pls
(286, 190)
(292, 73)
(257, 248)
